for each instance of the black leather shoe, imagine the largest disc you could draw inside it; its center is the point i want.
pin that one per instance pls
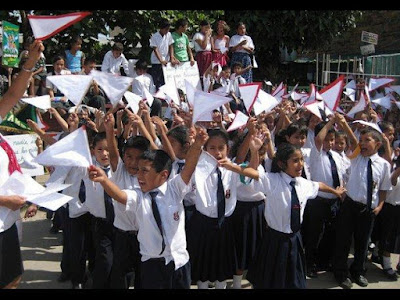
(390, 274)
(346, 283)
(360, 280)
(54, 230)
(63, 277)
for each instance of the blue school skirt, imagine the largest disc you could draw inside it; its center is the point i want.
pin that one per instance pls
(248, 225)
(279, 262)
(10, 256)
(211, 248)
(390, 228)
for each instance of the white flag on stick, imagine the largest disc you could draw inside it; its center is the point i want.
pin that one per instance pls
(44, 27)
(113, 85)
(249, 92)
(74, 87)
(239, 121)
(72, 150)
(205, 103)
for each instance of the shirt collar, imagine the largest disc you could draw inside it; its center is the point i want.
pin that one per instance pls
(161, 189)
(374, 157)
(287, 178)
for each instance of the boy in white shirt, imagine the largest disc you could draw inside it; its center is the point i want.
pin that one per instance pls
(159, 212)
(114, 59)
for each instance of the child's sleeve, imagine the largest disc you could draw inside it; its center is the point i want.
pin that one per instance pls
(131, 200)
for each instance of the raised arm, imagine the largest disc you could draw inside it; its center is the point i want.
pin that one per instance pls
(320, 137)
(346, 128)
(54, 112)
(162, 130)
(193, 154)
(18, 87)
(109, 123)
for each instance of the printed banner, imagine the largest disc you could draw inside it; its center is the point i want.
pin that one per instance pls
(10, 45)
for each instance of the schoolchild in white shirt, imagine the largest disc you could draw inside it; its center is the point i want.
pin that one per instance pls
(126, 256)
(320, 214)
(279, 260)
(368, 184)
(159, 212)
(101, 207)
(114, 59)
(390, 233)
(341, 146)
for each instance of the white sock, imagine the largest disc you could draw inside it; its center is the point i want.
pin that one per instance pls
(202, 285)
(220, 285)
(237, 281)
(386, 262)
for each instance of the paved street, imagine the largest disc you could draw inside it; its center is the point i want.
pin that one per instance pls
(41, 253)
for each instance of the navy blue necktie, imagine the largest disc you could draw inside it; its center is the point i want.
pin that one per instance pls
(335, 175)
(180, 167)
(295, 210)
(220, 199)
(157, 217)
(108, 205)
(369, 184)
(82, 192)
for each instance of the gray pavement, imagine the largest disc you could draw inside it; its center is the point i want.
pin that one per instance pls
(41, 254)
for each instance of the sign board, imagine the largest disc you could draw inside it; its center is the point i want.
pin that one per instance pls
(367, 49)
(24, 146)
(10, 45)
(369, 37)
(178, 73)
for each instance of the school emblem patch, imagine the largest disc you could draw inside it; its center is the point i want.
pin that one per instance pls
(176, 216)
(227, 194)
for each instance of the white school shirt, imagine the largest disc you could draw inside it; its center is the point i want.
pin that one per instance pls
(345, 165)
(169, 203)
(321, 171)
(236, 39)
(357, 184)
(141, 82)
(310, 141)
(95, 195)
(74, 177)
(246, 192)
(7, 216)
(227, 85)
(190, 196)
(162, 43)
(393, 196)
(307, 158)
(206, 192)
(124, 180)
(278, 205)
(200, 36)
(112, 65)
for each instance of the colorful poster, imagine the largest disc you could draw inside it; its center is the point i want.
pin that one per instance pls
(10, 45)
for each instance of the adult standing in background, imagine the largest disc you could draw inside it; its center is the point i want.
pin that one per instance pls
(242, 48)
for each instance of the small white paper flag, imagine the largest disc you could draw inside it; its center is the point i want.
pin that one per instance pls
(190, 90)
(375, 83)
(171, 91)
(113, 85)
(360, 106)
(72, 150)
(249, 93)
(332, 93)
(384, 101)
(205, 103)
(74, 87)
(239, 121)
(370, 124)
(42, 102)
(133, 101)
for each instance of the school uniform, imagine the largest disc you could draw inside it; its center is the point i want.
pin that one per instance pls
(211, 239)
(203, 56)
(162, 239)
(248, 221)
(101, 207)
(188, 200)
(126, 258)
(355, 217)
(390, 216)
(345, 165)
(10, 257)
(320, 213)
(279, 260)
(79, 238)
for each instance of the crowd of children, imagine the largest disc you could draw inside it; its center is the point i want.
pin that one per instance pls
(168, 202)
